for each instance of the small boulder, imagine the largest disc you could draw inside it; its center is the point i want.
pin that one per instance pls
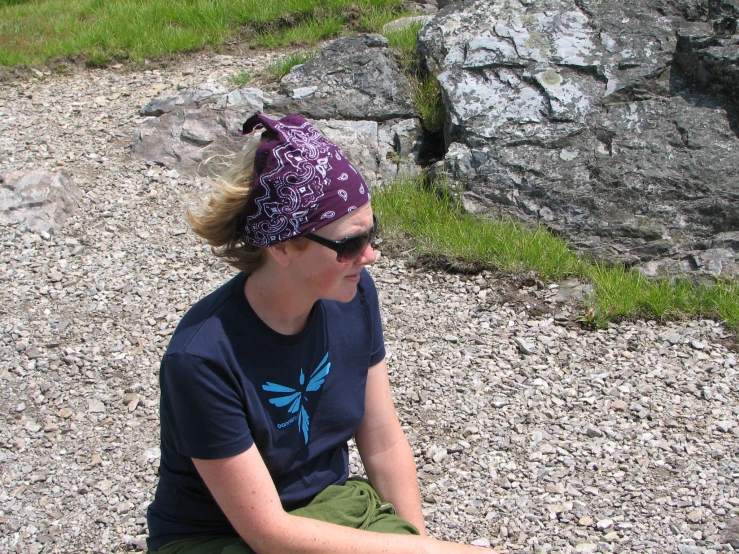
(353, 78)
(40, 200)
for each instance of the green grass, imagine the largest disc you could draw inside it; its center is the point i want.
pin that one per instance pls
(625, 293)
(309, 31)
(282, 67)
(440, 227)
(98, 31)
(425, 89)
(431, 218)
(241, 78)
(427, 102)
(403, 43)
(372, 19)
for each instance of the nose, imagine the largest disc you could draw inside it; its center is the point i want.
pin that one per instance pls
(367, 257)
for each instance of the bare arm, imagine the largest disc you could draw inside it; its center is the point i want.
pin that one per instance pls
(385, 451)
(245, 492)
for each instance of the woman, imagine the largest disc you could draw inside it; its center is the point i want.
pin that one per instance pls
(266, 379)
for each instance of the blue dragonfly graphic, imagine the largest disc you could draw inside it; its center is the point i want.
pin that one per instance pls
(295, 399)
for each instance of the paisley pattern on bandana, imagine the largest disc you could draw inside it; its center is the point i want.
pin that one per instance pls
(296, 190)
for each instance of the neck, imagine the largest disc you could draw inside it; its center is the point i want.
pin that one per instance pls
(273, 299)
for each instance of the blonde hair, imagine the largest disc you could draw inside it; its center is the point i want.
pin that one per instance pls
(216, 217)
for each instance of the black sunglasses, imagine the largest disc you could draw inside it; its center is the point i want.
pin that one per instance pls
(348, 249)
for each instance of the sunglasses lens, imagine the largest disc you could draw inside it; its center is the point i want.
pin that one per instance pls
(354, 247)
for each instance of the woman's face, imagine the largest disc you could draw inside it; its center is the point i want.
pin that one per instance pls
(319, 271)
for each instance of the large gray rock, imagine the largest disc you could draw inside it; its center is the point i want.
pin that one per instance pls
(183, 139)
(184, 130)
(354, 78)
(711, 60)
(381, 151)
(583, 120)
(40, 200)
(182, 126)
(246, 99)
(354, 92)
(179, 139)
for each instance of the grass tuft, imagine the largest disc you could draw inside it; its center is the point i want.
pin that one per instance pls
(428, 103)
(425, 89)
(626, 293)
(432, 219)
(241, 78)
(404, 39)
(283, 66)
(97, 57)
(309, 31)
(403, 43)
(373, 18)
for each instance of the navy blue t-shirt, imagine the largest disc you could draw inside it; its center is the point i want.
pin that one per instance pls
(229, 381)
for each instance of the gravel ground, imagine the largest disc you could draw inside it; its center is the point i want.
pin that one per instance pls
(531, 434)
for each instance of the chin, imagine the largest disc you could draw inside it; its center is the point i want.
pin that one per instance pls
(345, 293)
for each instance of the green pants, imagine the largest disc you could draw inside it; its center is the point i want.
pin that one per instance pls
(355, 504)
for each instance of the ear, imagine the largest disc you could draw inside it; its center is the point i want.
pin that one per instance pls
(280, 253)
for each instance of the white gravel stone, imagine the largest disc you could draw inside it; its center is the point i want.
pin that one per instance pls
(95, 406)
(725, 426)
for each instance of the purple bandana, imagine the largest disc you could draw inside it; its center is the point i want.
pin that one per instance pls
(301, 182)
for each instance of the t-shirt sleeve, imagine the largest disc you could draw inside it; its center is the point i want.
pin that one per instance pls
(378, 342)
(203, 405)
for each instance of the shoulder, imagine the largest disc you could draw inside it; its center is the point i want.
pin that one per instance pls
(207, 320)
